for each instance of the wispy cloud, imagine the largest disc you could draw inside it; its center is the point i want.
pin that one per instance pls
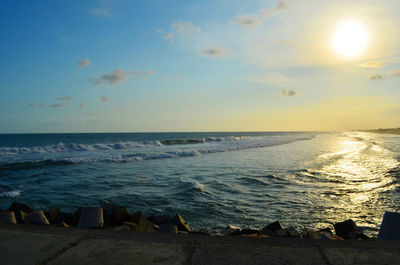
(118, 76)
(81, 106)
(182, 29)
(101, 12)
(281, 5)
(105, 98)
(396, 73)
(372, 65)
(288, 92)
(82, 63)
(33, 105)
(376, 77)
(248, 21)
(214, 52)
(59, 105)
(65, 98)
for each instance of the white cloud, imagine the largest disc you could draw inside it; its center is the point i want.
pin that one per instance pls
(82, 63)
(288, 92)
(214, 52)
(169, 36)
(118, 76)
(105, 98)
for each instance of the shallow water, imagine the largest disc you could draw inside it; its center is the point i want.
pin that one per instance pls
(212, 179)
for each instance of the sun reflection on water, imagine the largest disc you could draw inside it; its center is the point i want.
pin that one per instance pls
(354, 176)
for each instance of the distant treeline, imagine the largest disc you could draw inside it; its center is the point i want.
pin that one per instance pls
(386, 131)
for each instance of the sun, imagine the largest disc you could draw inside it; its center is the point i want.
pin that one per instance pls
(350, 39)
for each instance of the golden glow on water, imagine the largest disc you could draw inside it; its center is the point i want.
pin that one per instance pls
(355, 175)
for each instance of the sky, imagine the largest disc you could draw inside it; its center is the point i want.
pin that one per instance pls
(211, 65)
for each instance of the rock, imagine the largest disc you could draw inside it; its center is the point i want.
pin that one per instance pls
(121, 228)
(254, 235)
(293, 232)
(314, 234)
(91, 217)
(73, 219)
(343, 229)
(145, 225)
(329, 236)
(282, 233)
(15, 206)
(62, 224)
(20, 210)
(36, 218)
(132, 226)
(8, 217)
(136, 217)
(199, 233)
(180, 223)
(115, 215)
(168, 229)
(274, 226)
(327, 229)
(231, 229)
(268, 232)
(53, 215)
(245, 231)
(356, 235)
(217, 234)
(162, 219)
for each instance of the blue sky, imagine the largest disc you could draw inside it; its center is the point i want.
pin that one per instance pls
(126, 66)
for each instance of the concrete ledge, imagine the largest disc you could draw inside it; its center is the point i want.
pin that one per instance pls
(34, 244)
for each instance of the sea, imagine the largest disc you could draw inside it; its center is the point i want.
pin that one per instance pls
(248, 179)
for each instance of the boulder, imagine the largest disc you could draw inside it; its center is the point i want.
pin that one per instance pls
(254, 235)
(327, 229)
(245, 231)
(231, 229)
(145, 225)
(162, 219)
(168, 229)
(20, 210)
(291, 232)
(346, 229)
(268, 232)
(329, 236)
(282, 233)
(121, 228)
(15, 206)
(36, 218)
(73, 219)
(314, 234)
(54, 215)
(91, 217)
(135, 217)
(62, 224)
(180, 223)
(8, 217)
(274, 226)
(115, 215)
(132, 226)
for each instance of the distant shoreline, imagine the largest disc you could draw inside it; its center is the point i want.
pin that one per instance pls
(385, 131)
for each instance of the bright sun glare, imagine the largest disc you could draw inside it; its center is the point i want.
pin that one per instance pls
(350, 38)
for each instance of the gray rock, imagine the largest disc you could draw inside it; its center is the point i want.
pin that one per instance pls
(91, 217)
(36, 218)
(180, 223)
(344, 228)
(274, 226)
(145, 225)
(168, 228)
(20, 210)
(162, 219)
(268, 232)
(8, 217)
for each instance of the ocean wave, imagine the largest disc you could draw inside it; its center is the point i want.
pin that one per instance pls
(58, 155)
(11, 194)
(126, 145)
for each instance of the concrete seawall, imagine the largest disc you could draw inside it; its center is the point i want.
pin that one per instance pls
(35, 244)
